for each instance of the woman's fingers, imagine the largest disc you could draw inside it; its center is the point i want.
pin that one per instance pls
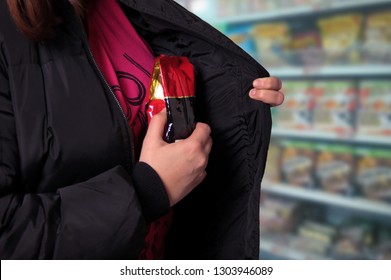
(272, 97)
(272, 83)
(156, 127)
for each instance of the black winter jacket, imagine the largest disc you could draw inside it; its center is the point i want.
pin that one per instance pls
(69, 186)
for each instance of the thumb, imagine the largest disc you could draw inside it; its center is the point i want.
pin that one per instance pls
(157, 126)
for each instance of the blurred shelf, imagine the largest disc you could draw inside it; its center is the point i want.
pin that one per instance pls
(373, 140)
(353, 203)
(283, 251)
(297, 11)
(311, 134)
(332, 71)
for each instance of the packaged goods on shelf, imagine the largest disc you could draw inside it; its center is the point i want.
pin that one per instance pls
(310, 234)
(337, 40)
(377, 38)
(297, 163)
(374, 114)
(296, 113)
(373, 173)
(315, 237)
(334, 106)
(307, 47)
(278, 215)
(340, 38)
(272, 42)
(334, 167)
(354, 240)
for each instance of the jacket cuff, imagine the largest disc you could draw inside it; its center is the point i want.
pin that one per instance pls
(151, 191)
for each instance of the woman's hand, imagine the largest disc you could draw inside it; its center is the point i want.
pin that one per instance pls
(268, 90)
(180, 165)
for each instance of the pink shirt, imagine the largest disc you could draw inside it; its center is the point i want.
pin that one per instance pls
(124, 59)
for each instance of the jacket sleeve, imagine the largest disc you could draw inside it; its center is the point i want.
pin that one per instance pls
(102, 218)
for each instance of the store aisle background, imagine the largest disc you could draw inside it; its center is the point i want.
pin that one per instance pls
(326, 193)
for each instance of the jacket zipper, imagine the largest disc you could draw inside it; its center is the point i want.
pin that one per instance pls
(102, 78)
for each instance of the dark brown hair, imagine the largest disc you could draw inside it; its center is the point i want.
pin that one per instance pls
(36, 19)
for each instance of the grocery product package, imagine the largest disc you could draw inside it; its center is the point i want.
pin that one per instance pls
(334, 168)
(296, 112)
(335, 106)
(377, 38)
(374, 113)
(172, 87)
(340, 38)
(373, 173)
(278, 215)
(308, 48)
(354, 239)
(272, 42)
(297, 163)
(315, 237)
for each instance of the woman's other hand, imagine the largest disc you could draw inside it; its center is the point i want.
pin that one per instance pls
(268, 90)
(180, 165)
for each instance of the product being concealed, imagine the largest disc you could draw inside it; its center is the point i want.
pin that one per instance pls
(172, 87)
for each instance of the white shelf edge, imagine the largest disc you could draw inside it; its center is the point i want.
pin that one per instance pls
(312, 134)
(297, 11)
(282, 251)
(329, 71)
(372, 139)
(353, 203)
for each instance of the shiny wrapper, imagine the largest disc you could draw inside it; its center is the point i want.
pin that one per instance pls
(172, 87)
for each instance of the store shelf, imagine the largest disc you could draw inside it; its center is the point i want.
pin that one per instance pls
(313, 135)
(360, 204)
(361, 139)
(283, 251)
(297, 11)
(332, 71)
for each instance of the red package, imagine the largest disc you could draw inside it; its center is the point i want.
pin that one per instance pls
(172, 87)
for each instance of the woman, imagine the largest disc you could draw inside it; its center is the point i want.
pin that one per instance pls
(72, 94)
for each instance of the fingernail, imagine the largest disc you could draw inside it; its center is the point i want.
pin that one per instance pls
(252, 92)
(258, 83)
